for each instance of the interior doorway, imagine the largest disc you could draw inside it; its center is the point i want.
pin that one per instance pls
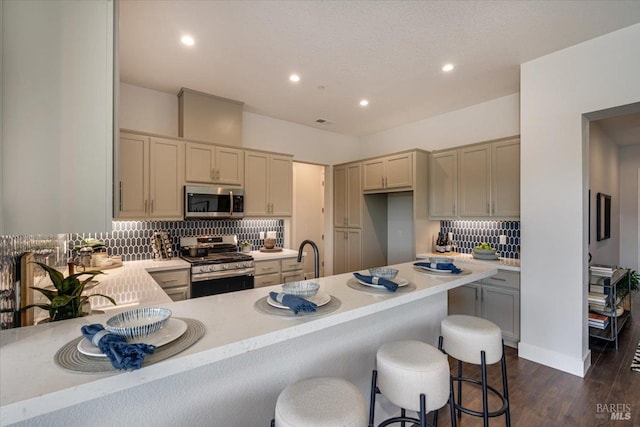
(308, 212)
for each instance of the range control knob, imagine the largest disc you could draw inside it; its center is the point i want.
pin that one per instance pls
(225, 267)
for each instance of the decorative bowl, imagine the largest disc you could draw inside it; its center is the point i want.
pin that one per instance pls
(138, 323)
(441, 260)
(384, 272)
(485, 251)
(301, 289)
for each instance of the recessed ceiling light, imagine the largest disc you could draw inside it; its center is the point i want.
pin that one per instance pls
(447, 68)
(187, 40)
(294, 78)
(364, 102)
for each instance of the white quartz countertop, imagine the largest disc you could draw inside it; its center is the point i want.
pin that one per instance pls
(32, 384)
(510, 264)
(264, 256)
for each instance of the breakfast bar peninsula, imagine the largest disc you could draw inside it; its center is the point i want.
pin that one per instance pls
(234, 373)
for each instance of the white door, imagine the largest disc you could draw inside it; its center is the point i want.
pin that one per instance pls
(308, 212)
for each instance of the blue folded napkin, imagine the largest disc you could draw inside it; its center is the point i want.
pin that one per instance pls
(295, 303)
(391, 286)
(121, 354)
(439, 266)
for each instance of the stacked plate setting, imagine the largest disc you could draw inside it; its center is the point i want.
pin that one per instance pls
(148, 325)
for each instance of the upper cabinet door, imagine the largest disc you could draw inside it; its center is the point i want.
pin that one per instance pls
(340, 218)
(229, 166)
(443, 184)
(256, 187)
(280, 186)
(373, 174)
(506, 179)
(475, 181)
(200, 165)
(347, 194)
(57, 116)
(134, 176)
(354, 196)
(398, 171)
(166, 183)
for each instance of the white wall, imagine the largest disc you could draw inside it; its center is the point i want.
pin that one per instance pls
(148, 110)
(400, 228)
(489, 120)
(603, 178)
(156, 112)
(629, 201)
(556, 90)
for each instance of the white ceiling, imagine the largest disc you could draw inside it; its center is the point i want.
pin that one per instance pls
(623, 130)
(388, 52)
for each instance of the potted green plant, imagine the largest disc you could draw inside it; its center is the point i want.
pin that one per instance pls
(246, 246)
(66, 300)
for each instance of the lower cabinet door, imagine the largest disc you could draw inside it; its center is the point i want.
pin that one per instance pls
(465, 300)
(502, 307)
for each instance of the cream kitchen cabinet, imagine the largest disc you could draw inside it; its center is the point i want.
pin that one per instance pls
(268, 184)
(347, 194)
(443, 184)
(390, 173)
(277, 271)
(476, 181)
(175, 283)
(212, 164)
(151, 177)
(496, 298)
(347, 254)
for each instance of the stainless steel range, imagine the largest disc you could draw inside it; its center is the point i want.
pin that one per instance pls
(216, 265)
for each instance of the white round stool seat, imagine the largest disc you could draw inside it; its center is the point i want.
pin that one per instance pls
(464, 337)
(407, 369)
(321, 402)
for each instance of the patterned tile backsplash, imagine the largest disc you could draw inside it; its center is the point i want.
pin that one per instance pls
(129, 239)
(467, 234)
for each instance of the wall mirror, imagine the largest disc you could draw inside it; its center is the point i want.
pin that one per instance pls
(603, 217)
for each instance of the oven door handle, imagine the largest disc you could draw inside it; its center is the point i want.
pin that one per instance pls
(230, 203)
(200, 277)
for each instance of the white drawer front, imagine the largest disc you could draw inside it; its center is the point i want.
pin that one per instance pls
(289, 264)
(267, 267)
(266, 280)
(505, 278)
(294, 276)
(171, 278)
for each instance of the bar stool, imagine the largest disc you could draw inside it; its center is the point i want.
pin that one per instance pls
(477, 341)
(412, 375)
(320, 402)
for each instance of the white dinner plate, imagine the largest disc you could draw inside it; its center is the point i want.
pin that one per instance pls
(435, 270)
(171, 331)
(318, 299)
(398, 280)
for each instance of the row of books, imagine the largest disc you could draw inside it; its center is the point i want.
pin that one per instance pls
(602, 270)
(598, 321)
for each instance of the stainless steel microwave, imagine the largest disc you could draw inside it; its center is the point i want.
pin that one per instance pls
(213, 202)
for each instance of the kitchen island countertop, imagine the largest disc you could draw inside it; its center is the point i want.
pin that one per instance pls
(233, 328)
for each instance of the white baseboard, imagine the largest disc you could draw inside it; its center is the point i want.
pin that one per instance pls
(552, 359)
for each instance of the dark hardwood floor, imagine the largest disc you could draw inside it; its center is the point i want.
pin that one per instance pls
(542, 396)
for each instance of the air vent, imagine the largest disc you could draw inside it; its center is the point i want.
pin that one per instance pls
(324, 122)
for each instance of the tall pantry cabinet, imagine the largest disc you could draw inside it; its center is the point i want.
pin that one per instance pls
(347, 217)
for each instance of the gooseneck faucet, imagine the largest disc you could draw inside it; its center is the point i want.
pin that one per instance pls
(316, 256)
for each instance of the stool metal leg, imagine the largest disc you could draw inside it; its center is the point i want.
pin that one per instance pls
(403, 414)
(423, 411)
(435, 418)
(372, 400)
(485, 398)
(459, 388)
(505, 389)
(452, 404)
